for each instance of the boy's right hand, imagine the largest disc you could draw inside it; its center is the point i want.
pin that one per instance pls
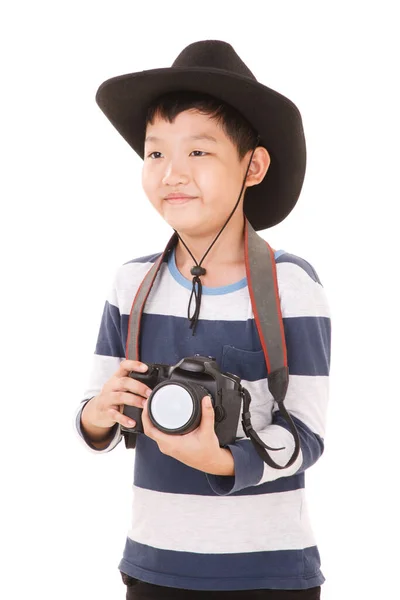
(104, 410)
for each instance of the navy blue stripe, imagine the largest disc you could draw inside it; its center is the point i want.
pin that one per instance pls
(300, 262)
(279, 569)
(161, 473)
(234, 344)
(249, 469)
(109, 342)
(308, 343)
(312, 445)
(167, 339)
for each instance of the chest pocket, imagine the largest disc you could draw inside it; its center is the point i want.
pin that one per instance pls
(246, 364)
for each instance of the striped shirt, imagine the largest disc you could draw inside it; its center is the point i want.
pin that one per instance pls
(199, 531)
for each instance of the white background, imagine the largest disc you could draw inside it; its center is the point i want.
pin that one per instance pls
(73, 210)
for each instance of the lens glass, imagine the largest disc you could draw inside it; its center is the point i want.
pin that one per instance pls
(172, 406)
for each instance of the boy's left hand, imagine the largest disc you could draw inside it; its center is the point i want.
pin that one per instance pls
(199, 449)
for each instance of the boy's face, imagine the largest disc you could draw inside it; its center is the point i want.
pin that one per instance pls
(177, 158)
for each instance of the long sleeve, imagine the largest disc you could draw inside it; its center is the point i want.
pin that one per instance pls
(109, 352)
(307, 325)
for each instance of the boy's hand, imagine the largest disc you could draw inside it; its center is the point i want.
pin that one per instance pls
(199, 449)
(104, 410)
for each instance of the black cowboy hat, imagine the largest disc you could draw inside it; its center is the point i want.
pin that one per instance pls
(213, 67)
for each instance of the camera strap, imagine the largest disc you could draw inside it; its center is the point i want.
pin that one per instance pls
(262, 282)
(264, 296)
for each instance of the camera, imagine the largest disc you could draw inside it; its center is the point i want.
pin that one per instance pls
(174, 405)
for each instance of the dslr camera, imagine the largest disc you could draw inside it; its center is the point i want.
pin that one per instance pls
(174, 405)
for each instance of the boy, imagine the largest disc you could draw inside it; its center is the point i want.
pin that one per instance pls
(211, 522)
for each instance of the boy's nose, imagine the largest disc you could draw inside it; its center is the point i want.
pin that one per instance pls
(174, 175)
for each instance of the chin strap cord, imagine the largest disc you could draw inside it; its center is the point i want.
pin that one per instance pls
(198, 270)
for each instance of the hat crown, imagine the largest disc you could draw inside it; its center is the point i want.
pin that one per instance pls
(212, 54)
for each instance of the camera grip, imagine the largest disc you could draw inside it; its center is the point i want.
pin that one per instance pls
(150, 378)
(135, 413)
(226, 429)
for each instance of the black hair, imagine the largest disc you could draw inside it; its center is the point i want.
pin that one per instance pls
(234, 124)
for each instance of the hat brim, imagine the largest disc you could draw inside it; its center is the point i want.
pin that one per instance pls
(124, 100)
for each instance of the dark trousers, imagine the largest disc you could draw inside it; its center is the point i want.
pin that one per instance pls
(137, 590)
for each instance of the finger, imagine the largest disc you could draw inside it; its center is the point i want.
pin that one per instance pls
(148, 427)
(126, 398)
(129, 384)
(130, 365)
(118, 417)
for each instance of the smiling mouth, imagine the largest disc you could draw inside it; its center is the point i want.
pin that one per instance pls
(179, 200)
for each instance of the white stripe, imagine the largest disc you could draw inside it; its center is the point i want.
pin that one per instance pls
(307, 399)
(261, 406)
(102, 368)
(276, 436)
(300, 295)
(127, 280)
(229, 524)
(168, 297)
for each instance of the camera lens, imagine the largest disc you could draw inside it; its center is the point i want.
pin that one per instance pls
(171, 406)
(176, 407)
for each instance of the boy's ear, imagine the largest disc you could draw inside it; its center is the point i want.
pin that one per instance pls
(258, 167)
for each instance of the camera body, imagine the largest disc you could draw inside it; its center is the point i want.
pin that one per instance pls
(174, 405)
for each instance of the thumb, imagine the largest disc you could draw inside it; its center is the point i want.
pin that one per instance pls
(208, 411)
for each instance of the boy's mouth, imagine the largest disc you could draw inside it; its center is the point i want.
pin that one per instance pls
(174, 199)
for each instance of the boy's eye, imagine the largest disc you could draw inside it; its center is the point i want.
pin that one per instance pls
(197, 153)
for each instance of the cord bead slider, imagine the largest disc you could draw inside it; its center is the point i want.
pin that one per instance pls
(196, 271)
